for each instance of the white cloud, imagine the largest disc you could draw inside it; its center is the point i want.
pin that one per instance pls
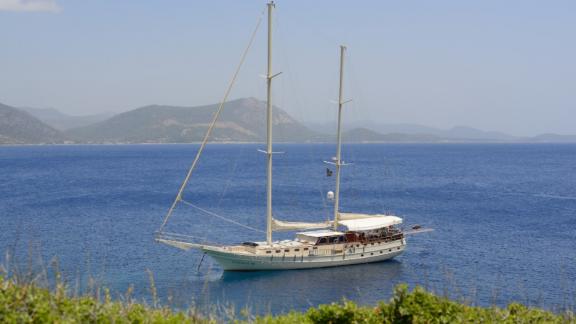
(29, 5)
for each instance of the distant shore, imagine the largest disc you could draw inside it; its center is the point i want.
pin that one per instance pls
(292, 143)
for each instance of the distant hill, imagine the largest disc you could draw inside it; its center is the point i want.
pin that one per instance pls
(469, 133)
(19, 127)
(364, 135)
(242, 120)
(421, 133)
(382, 128)
(61, 121)
(554, 138)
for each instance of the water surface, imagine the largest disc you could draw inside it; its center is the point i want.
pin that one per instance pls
(504, 219)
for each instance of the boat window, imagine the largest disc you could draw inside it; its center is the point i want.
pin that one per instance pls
(296, 250)
(268, 251)
(278, 251)
(287, 250)
(305, 249)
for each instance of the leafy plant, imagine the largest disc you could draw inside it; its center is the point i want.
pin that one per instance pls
(29, 303)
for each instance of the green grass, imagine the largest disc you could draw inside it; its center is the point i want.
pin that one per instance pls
(29, 303)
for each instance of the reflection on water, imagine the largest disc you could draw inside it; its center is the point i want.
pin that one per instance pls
(280, 291)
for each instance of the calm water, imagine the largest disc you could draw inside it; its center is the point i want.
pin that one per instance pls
(504, 219)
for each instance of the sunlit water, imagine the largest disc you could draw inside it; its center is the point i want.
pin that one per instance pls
(504, 219)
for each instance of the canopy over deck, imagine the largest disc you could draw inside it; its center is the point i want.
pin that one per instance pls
(371, 223)
(348, 216)
(278, 225)
(320, 233)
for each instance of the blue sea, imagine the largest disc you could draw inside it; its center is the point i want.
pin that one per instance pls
(504, 217)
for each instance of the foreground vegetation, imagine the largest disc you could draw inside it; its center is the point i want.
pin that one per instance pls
(28, 303)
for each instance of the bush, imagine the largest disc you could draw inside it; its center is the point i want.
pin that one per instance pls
(28, 303)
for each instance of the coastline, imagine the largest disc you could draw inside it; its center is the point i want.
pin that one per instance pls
(299, 143)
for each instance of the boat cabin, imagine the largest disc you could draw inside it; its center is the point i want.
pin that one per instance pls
(362, 230)
(321, 237)
(359, 230)
(369, 229)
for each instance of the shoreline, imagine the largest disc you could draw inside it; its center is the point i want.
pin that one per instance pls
(296, 143)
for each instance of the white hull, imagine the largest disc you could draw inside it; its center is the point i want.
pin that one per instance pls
(234, 261)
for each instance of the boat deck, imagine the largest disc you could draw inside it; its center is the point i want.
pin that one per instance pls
(283, 257)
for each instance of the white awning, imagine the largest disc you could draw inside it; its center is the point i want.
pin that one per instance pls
(322, 233)
(278, 225)
(375, 222)
(347, 216)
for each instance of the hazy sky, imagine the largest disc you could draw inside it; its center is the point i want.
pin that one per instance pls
(493, 64)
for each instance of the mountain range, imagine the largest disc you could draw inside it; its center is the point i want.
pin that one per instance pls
(19, 127)
(418, 132)
(61, 121)
(242, 120)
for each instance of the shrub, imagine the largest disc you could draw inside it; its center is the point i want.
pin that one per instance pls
(28, 303)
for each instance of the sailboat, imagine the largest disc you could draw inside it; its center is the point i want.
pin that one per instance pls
(350, 238)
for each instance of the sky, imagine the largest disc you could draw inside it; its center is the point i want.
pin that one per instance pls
(496, 65)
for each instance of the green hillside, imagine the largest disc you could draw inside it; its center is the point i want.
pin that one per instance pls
(19, 127)
(242, 120)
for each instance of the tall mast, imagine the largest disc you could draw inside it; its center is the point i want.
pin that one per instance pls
(338, 161)
(269, 153)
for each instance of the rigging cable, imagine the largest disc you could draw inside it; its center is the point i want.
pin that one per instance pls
(212, 124)
(219, 216)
